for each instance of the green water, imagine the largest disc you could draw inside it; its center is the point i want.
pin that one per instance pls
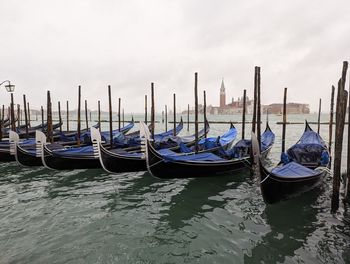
(89, 216)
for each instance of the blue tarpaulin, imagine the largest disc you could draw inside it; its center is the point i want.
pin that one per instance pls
(293, 169)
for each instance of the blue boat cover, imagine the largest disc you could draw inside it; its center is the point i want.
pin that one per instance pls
(311, 137)
(223, 140)
(267, 139)
(310, 149)
(192, 157)
(293, 169)
(78, 151)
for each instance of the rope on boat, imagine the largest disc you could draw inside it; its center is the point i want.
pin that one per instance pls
(325, 169)
(268, 176)
(155, 163)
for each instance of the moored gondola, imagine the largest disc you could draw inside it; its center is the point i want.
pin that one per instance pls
(57, 157)
(206, 163)
(132, 159)
(301, 169)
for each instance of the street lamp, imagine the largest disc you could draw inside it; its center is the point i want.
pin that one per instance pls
(11, 88)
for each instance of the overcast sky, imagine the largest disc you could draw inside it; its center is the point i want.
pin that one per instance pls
(57, 45)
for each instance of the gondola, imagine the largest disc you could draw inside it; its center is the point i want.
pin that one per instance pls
(30, 154)
(132, 159)
(58, 157)
(206, 163)
(302, 168)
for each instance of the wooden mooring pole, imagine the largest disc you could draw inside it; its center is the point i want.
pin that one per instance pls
(258, 112)
(331, 115)
(99, 115)
(205, 112)
(79, 109)
(86, 116)
(243, 113)
(67, 116)
(28, 109)
(188, 117)
(49, 118)
(146, 109)
(284, 120)
(174, 98)
(119, 119)
(339, 132)
(347, 188)
(166, 118)
(25, 115)
(196, 110)
(152, 111)
(110, 116)
(255, 98)
(319, 116)
(59, 115)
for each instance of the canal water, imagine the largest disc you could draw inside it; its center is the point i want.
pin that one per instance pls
(90, 216)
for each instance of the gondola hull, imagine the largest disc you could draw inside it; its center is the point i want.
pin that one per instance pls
(115, 163)
(275, 188)
(27, 159)
(68, 163)
(5, 155)
(160, 168)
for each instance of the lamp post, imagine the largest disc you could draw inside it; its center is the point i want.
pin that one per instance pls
(11, 88)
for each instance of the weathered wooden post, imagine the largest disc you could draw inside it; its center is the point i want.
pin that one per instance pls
(13, 121)
(1, 122)
(25, 115)
(49, 118)
(110, 116)
(18, 115)
(119, 105)
(86, 116)
(67, 116)
(347, 188)
(174, 132)
(152, 111)
(28, 109)
(146, 109)
(196, 110)
(188, 117)
(319, 116)
(99, 115)
(123, 118)
(331, 126)
(243, 113)
(284, 120)
(258, 119)
(166, 118)
(79, 109)
(255, 98)
(205, 112)
(339, 132)
(162, 116)
(42, 117)
(59, 115)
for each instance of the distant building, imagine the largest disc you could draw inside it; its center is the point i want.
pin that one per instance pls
(235, 107)
(292, 108)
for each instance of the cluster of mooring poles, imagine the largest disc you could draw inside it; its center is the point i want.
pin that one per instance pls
(338, 110)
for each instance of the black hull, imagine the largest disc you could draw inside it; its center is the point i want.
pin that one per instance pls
(5, 155)
(179, 169)
(112, 162)
(275, 188)
(26, 159)
(69, 163)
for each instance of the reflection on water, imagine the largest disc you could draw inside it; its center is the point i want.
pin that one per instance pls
(89, 216)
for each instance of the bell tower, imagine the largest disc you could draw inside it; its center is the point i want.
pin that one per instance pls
(222, 94)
